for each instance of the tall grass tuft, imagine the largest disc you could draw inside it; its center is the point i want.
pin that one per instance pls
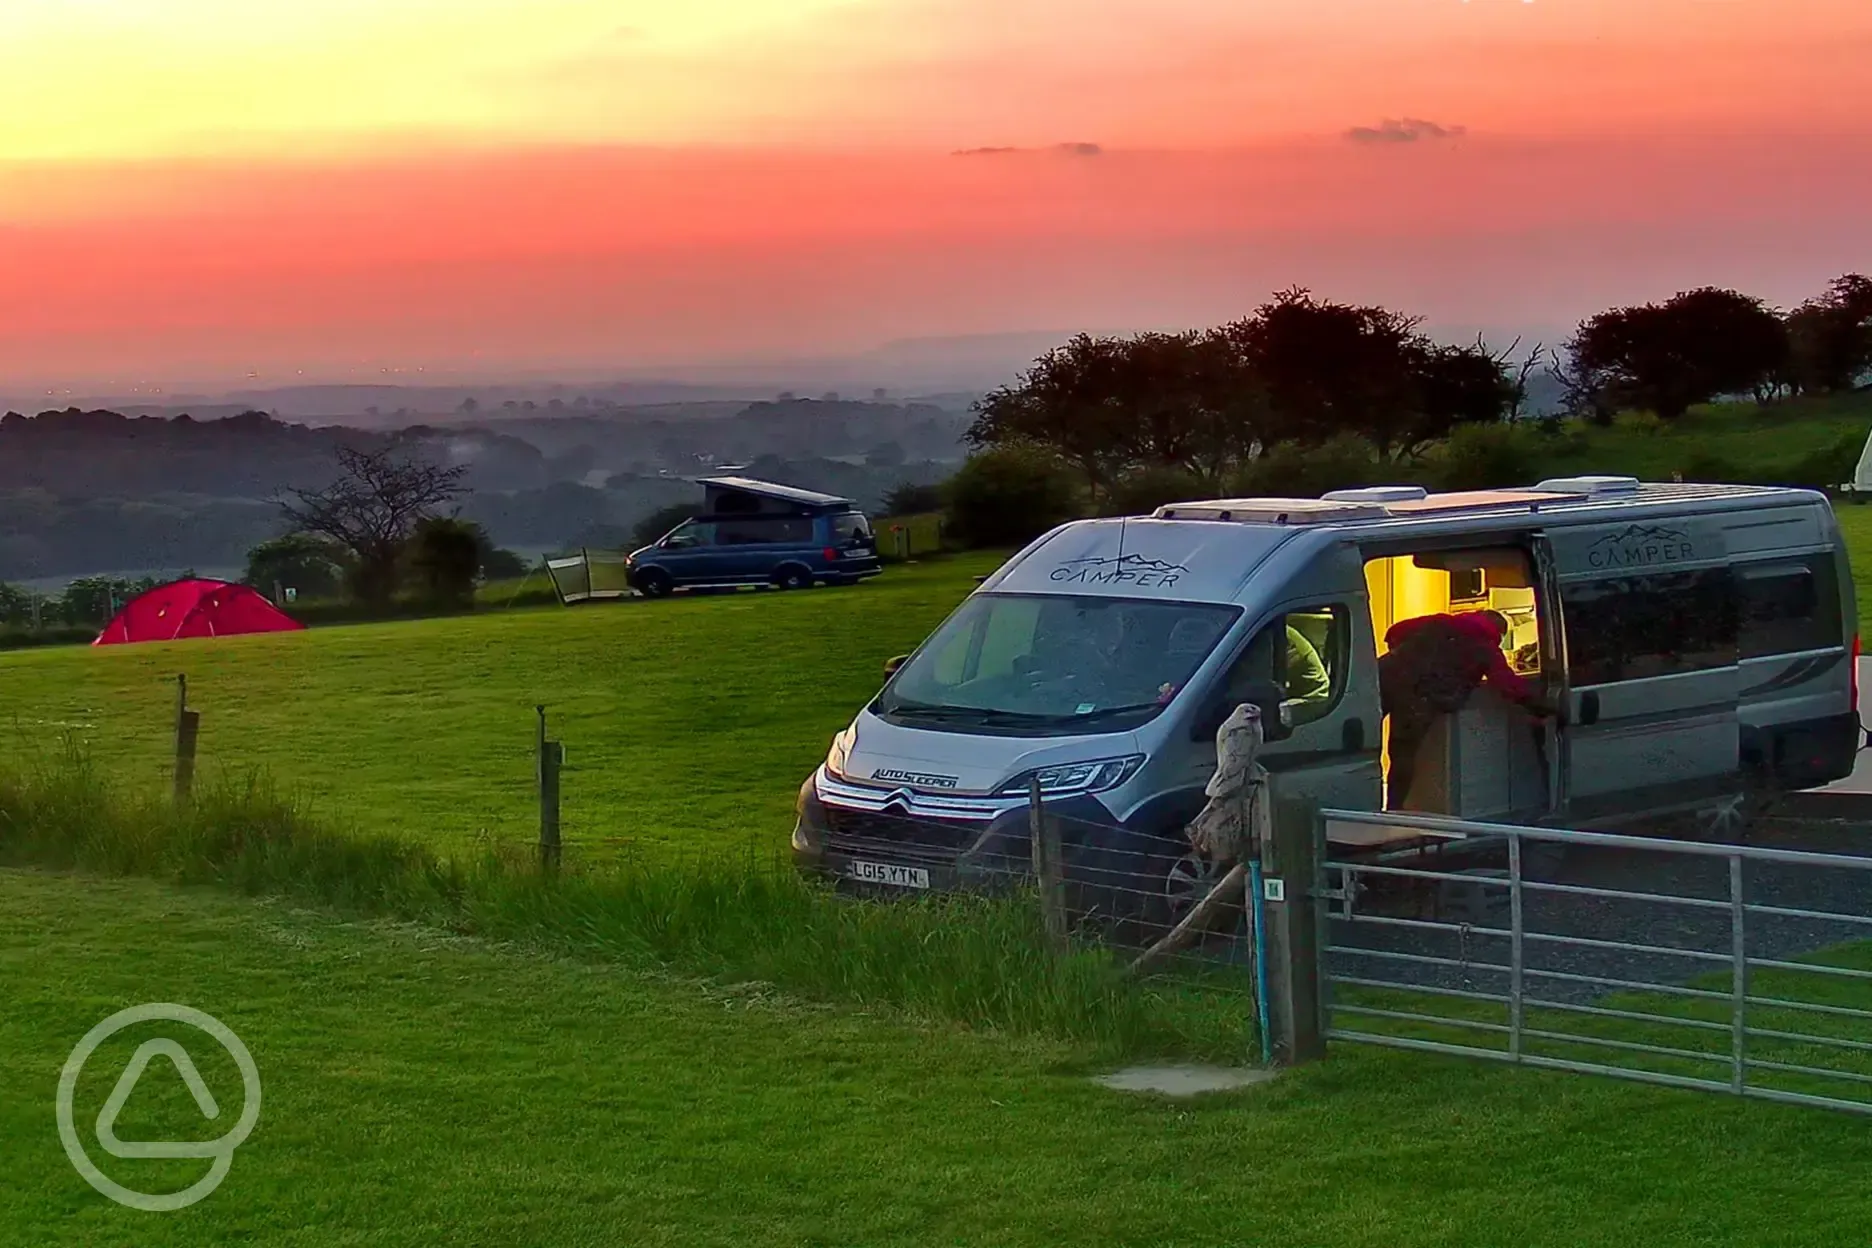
(979, 961)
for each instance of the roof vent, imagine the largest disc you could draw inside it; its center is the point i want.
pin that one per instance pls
(1589, 485)
(1380, 494)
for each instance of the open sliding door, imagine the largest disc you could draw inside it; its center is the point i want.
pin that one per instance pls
(1650, 632)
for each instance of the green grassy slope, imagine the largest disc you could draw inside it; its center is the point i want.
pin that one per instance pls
(423, 1090)
(688, 723)
(1734, 441)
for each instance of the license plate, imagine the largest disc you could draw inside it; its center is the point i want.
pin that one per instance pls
(887, 873)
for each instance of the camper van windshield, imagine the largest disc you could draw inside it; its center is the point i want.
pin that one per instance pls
(1050, 665)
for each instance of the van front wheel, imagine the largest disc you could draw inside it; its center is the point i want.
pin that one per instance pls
(654, 583)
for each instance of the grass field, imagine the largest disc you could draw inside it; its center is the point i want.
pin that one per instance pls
(420, 1089)
(1749, 442)
(689, 724)
(423, 1087)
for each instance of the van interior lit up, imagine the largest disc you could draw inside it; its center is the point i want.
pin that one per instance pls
(1492, 758)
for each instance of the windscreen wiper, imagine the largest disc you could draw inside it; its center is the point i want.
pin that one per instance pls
(964, 714)
(1105, 712)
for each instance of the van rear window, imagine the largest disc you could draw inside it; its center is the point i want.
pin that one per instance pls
(849, 526)
(1789, 605)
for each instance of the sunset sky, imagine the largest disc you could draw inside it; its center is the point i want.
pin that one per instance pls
(200, 190)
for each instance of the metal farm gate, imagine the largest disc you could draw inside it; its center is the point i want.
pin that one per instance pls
(1744, 969)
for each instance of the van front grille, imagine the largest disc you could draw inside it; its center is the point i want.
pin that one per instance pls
(854, 831)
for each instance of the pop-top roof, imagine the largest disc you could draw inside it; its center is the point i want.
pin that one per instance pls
(768, 489)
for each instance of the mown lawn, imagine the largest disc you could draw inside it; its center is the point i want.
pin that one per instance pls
(424, 1090)
(689, 723)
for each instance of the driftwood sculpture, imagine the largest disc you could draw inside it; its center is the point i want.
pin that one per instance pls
(1228, 831)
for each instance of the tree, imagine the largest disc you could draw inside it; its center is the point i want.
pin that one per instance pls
(16, 605)
(1008, 495)
(1068, 401)
(371, 509)
(444, 558)
(1830, 338)
(909, 499)
(1455, 387)
(498, 564)
(1143, 490)
(1331, 369)
(95, 599)
(1663, 358)
(660, 521)
(469, 406)
(885, 455)
(1192, 404)
(314, 566)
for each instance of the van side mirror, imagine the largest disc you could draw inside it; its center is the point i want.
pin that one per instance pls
(891, 665)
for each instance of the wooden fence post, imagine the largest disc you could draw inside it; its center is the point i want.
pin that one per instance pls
(1290, 865)
(1043, 832)
(187, 730)
(551, 757)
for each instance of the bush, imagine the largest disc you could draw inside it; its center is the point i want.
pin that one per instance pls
(502, 565)
(1009, 496)
(1828, 467)
(23, 637)
(1483, 457)
(314, 566)
(1290, 471)
(1708, 466)
(909, 499)
(1144, 490)
(444, 558)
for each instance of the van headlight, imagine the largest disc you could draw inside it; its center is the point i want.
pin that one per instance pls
(1092, 777)
(836, 756)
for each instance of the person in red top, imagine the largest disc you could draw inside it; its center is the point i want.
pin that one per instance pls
(1432, 665)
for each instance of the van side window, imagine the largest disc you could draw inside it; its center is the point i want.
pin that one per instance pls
(1639, 627)
(1789, 606)
(691, 535)
(763, 530)
(1306, 653)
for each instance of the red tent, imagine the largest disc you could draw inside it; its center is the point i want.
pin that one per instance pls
(195, 609)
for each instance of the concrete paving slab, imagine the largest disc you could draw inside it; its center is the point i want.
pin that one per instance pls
(1184, 1081)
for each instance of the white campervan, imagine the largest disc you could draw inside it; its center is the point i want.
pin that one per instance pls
(1700, 641)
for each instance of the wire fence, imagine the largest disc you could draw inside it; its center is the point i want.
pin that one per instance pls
(1161, 912)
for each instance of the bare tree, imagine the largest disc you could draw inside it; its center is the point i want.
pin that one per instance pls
(1535, 359)
(371, 510)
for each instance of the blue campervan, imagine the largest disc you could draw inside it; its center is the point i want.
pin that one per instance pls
(759, 533)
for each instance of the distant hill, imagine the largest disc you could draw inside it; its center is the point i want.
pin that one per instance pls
(83, 491)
